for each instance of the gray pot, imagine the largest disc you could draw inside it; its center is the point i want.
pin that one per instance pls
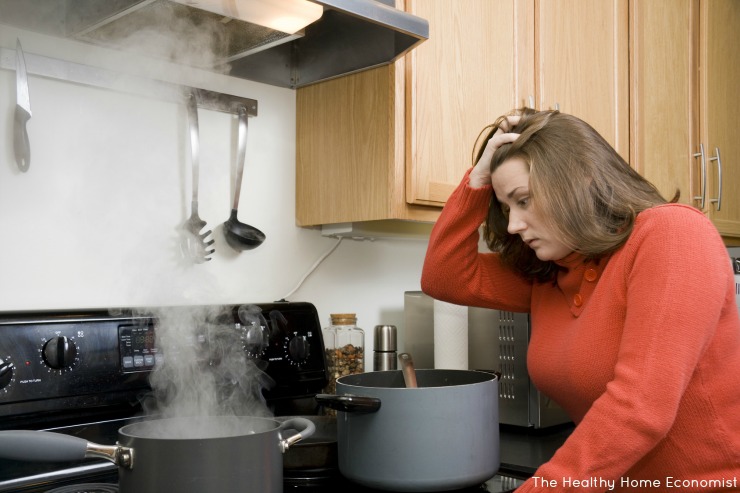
(228, 454)
(443, 435)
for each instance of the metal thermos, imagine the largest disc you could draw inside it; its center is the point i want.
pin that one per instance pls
(384, 357)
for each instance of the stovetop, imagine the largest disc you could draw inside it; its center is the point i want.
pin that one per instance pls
(493, 486)
(84, 373)
(101, 476)
(86, 370)
(497, 484)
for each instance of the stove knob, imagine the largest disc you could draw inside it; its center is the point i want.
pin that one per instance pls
(60, 352)
(298, 349)
(6, 373)
(256, 340)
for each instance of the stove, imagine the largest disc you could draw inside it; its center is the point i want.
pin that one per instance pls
(87, 373)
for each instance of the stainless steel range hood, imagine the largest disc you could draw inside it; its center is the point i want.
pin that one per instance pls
(350, 36)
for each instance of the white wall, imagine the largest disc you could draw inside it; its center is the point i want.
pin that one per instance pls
(94, 222)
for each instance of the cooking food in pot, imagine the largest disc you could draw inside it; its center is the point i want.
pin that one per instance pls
(230, 454)
(389, 435)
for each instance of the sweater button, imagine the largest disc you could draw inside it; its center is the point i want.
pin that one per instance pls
(578, 300)
(590, 275)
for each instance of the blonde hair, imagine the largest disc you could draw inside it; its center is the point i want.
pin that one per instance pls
(578, 183)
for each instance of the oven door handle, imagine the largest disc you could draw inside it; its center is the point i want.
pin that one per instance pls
(47, 446)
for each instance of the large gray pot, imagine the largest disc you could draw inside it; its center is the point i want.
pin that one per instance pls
(443, 435)
(228, 454)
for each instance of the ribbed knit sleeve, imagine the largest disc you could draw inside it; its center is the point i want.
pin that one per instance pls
(454, 271)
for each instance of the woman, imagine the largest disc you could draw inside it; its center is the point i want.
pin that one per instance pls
(635, 328)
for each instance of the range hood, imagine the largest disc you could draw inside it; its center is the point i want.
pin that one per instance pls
(350, 36)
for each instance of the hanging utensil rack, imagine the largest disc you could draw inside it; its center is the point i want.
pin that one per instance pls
(54, 68)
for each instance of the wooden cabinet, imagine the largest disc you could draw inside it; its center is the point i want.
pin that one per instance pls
(656, 78)
(349, 149)
(685, 65)
(393, 142)
(661, 102)
(580, 63)
(459, 81)
(719, 107)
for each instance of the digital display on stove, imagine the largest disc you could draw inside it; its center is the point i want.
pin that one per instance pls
(136, 344)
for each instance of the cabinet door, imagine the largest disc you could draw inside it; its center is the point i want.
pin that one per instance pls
(663, 93)
(458, 81)
(720, 107)
(581, 64)
(349, 148)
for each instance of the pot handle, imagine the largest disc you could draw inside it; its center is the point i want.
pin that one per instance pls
(47, 446)
(304, 427)
(349, 403)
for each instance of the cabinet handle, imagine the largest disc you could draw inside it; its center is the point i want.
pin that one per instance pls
(557, 106)
(531, 102)
(703, 196)
(718, 200)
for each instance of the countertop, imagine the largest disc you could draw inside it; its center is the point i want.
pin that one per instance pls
(523, 450)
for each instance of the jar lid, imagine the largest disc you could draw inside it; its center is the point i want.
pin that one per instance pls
(343, 319)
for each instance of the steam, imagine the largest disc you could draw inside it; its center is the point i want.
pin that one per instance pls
(205, 370)
(170, 31)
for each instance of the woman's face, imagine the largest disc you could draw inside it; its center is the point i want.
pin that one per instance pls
(511, 186)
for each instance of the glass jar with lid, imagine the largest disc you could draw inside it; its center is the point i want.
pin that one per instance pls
(344, 344)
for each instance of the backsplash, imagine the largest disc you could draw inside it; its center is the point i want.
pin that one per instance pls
(94, 222)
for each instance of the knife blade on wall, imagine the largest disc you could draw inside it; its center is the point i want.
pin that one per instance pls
(21, 145)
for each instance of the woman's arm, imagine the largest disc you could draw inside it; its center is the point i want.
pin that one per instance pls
(454, 270)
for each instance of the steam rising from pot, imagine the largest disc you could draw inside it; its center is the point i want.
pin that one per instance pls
(205, 369)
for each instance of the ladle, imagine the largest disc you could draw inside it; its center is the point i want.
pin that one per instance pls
(409, 373)
(238, 235)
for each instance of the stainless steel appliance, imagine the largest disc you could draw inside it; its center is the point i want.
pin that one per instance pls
(497, 341)
(87, 373)
(350, 36)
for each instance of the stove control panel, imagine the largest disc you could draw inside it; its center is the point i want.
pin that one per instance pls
(137, 346)
(46, 359)
(291, 348)
(59, 359)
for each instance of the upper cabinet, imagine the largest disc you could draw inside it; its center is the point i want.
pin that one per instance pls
(719, 107)
(663, 82)
(394, 142)
(581, 63)
(459, 81)
(658, 79)
(685, 102)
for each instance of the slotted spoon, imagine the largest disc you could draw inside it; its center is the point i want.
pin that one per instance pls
(196, 244)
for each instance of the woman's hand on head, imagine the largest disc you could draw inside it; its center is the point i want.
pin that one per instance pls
(481, 174)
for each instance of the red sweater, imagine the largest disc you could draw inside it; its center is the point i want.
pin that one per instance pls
(642, 349)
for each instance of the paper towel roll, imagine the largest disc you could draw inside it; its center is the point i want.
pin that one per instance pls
(450, 336)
